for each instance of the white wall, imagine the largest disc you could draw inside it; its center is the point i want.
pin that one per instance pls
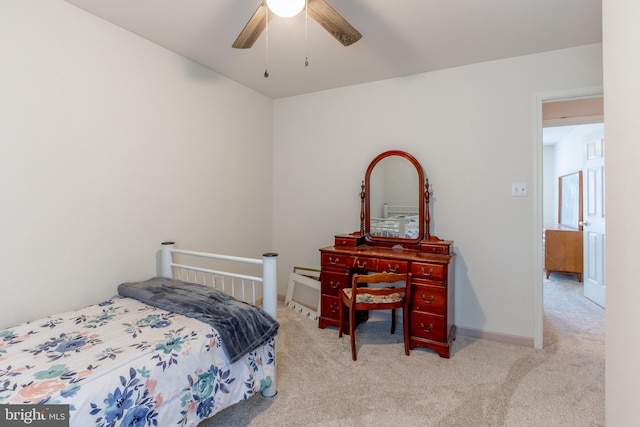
(474, 130)
(107, 141)
(621, 59)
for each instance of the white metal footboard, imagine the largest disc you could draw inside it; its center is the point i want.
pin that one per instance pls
(240, 286)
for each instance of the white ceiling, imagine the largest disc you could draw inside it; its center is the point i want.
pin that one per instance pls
(399, 38)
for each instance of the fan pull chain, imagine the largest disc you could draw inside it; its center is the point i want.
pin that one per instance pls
(266, 41)
(306, 33)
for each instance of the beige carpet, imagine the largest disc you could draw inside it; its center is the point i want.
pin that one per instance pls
(484, 383)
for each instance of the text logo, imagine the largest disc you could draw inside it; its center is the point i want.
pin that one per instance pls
(34, 415)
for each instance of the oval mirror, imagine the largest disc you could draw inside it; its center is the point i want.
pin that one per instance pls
(394, 199)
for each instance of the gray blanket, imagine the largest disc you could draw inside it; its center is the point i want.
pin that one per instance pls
(242, 327)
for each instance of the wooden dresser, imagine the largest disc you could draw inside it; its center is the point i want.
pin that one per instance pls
(432, 294)
(395, 237)
(563, 251)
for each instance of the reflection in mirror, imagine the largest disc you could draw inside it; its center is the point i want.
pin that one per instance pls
(394, 199)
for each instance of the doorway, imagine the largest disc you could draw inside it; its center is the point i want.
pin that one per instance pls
(560, 115)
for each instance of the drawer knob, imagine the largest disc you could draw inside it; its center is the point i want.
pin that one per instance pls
(333, 308)
(424, 329)
(425, 300)
(393, 269)
(334, 261)
(361, 265)
(335, 285)
(426, 273)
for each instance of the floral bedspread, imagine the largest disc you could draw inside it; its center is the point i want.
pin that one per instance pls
(124, 363)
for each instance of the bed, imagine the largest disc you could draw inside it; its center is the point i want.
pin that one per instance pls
(130, 362)
(396, 221)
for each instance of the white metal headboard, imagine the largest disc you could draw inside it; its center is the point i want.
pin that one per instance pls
(394, 211)
(218, 278)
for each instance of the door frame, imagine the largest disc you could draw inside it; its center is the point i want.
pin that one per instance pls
(538, 284)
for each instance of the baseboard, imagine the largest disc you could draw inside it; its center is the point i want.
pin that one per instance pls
(385, 315)
(495, 336)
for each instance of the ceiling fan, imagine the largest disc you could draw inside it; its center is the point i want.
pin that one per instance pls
(319, 10)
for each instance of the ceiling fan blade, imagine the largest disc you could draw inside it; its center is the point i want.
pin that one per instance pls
(253, 29)
(333, 22)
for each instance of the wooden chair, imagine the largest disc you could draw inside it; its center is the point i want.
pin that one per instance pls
(365, 298)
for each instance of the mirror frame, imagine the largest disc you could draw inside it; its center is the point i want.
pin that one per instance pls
(365, 216)
(570, 201)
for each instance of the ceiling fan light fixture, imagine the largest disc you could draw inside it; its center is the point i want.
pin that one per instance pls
(286, 8)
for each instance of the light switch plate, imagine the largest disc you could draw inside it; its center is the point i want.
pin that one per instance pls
(519, 189)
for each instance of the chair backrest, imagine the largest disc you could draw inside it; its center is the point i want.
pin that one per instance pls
(380, 278)
(380, 292)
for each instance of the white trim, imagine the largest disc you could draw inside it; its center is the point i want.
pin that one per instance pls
(495, 336)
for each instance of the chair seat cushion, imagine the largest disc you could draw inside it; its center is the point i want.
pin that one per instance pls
(365, 298)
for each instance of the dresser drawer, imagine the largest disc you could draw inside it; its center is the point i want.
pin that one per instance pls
(441, 247)
(334, 260)
(427, 270)
(428, 326)
(431, 299)
(364, 263)
(392, 266)
(349, 240)
(330, 307)
(332, 281)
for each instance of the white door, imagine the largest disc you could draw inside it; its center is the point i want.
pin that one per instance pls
(594, 219)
